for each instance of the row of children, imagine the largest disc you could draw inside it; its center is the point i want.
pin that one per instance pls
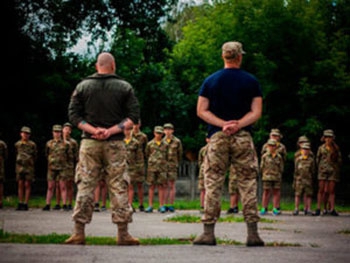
(158, 158)
(325, 164)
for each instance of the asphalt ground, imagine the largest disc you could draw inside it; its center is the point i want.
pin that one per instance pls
(297, 238)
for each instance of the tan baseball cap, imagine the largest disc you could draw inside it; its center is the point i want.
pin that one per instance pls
(159, 129)
(328, 133)
(57, 127)
(168, 126)
(231, 49)
(272, 142)
(26, 129)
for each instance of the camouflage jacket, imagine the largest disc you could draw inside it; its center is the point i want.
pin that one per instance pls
(74, 152)
(143, 140)
(281, 149)
(304, 169)
(157, 156)
(175, 152)
(58, 154)
(324, 162)
(135, 157)
(298, 153)
(26, 153)
(271, 166)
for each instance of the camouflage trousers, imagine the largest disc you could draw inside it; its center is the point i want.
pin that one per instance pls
(94, 158)
(237, 149)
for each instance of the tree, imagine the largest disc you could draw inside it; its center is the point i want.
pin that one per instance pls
(299, 51)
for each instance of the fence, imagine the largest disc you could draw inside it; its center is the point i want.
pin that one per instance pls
(187, 186)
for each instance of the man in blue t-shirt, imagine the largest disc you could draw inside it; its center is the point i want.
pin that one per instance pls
(230, 101)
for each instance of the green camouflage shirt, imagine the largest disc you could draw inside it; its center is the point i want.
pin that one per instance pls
(271, 167)
(157, 156)
(325, 163)
(26, 155)
(135, 157)
(304, 170)
(58, 154)
(175, 152)
(143, 140)
(74, 152)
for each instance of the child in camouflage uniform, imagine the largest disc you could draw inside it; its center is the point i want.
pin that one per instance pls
(143, 140)
(304, 170)
(271, 166)
(135, 161)
(58, 154)
(70, 171)
(157, 156)
(26, 155)
(328, 161)
(301, 140)
(275, 134)
(175, 152)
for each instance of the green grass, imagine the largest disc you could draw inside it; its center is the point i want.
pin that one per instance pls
(54, 238)
(180, 204)
(344, 232)
(188, 218)
(110, 241)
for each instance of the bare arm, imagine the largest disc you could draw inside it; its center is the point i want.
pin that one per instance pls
(253, 115)
(249, 118)
(205, 114)
(231, 126)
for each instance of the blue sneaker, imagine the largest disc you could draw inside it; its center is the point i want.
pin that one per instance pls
(162, 209)
(276, 212)
(263, 211)
(149, 209)
(171, 209)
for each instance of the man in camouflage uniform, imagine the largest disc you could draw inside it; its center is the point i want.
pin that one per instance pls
(230, 101)
(136, 163)
(3, 158)
(58, 153)
(271, 167)
(70, 171)
(304, 170)
(175, 152)
(141, 169)
(26, 156)
(102, 105)
(157, 156)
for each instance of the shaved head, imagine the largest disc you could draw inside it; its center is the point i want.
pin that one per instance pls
(105, 63)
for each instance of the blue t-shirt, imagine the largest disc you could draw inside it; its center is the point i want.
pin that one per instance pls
(230, 92)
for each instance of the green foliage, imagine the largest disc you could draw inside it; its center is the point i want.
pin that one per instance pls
(299, 51)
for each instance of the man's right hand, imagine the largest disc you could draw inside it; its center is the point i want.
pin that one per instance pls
(230, 127)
